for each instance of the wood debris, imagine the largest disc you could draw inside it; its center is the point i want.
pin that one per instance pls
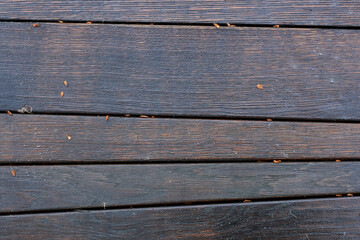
(127, 115)
(25, 109)
(13, 173)
(276, 26)
(36, 25)
(277, 161)
(61, 22)
(337, 160)
(338, 195)
(10, 113)
(246, 201)
(88, 22)
(216, 25)
(144, 116)
(269, 119)
(66, 83)
(259, 86)
(107, 117)
(350, 195)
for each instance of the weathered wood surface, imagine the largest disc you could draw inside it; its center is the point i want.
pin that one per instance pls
(78, 186)
(44, 138)
(307, 219)
(303, 12)
(169, 70)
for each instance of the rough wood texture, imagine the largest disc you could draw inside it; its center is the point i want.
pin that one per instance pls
(309, 219)
(305, 12)
(43, 138)
(305, 73)
(77, 186)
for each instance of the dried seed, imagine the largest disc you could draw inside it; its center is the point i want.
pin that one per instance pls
(88, 22)
(36, 25)
(216, 25)
(61, 22)
(13, 173)
(144, 116)
(68, 137)
(10, 113)
(107, 118)
(61, 94)
(127, 115)
(338, 195)
(277, 161)
(245, 201)
(66, 83)
(259, 86)
(228, 24)
(337, 160)
(276, 26)
(152, 116)
(269, 119)
(350, 195)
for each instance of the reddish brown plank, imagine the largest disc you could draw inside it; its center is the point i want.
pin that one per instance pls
(303, 12)
(181, 71)
(306, 219)
(45, 138)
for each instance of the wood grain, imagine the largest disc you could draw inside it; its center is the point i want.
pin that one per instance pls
(306, 219)
(79, 186)
(304, 12)
(44, 138)
(181, 71)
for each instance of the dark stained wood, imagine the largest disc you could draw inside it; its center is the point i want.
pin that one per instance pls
(307, 219)
(78, 186)
(308, 12)
(169, 70)
(44, 138)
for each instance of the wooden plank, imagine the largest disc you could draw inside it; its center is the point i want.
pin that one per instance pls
(188, 71)
(44, 138)
(77, 186)
(306, 219)
(305, 12)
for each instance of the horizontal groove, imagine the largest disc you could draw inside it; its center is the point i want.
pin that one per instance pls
(177, 161)
(221, 23)
(180, 204)
(195, 117)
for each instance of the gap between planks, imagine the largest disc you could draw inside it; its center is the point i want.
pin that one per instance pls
(274, 200)
(193, 24)
(194, 117)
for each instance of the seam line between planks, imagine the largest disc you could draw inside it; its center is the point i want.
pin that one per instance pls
(182, 204)
(222, 24)
(173, 162)
(194, 117)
